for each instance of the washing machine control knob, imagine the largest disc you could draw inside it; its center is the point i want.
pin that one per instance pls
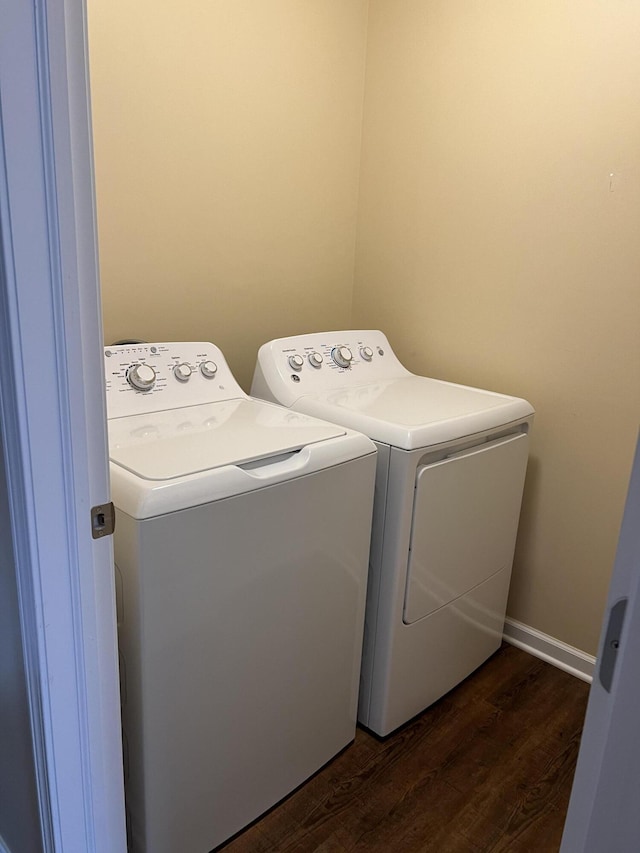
(182, 372)
(366, 353)
(208, 369)
(296, 362)
(315, 359)
(142, 377)
(342, 356)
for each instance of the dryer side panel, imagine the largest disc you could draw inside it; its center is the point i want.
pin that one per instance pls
(376, 582)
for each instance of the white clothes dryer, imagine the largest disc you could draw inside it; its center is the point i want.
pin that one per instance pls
(241, 585)
(450, 475)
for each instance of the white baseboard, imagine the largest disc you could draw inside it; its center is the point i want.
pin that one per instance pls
(549, 649)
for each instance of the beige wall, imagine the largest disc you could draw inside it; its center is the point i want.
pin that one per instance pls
(493, 253)
(227, 143)
(490, 249)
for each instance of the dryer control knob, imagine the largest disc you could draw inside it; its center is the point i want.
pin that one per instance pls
(182, 372)
(366, 353)
(315, 359)
(142, 377)
(342, 356)
(296, 362)
(208, 369)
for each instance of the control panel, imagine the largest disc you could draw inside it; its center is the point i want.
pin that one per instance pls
(155, 377)
(315, 363)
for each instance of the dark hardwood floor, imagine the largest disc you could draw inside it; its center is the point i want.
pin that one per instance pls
(487, 768)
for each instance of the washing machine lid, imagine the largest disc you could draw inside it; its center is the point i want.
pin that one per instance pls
(415, 411)
(180, 442)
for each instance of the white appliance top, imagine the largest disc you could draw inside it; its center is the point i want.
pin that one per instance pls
(190, 434)
(355, 379)
(179, 442)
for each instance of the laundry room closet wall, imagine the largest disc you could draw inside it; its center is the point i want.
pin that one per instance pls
(498, 246)
(227, 145)
(493, 246)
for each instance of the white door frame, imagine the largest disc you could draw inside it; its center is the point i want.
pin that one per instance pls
(52, 418)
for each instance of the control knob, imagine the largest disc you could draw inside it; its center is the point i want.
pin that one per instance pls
(182, 372)
(142, 377)
(208, 369)
(296, 362)
(342, 356)
(366, 353)
(315, 359)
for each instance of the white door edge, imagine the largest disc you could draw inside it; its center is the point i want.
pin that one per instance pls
(52, 418)
(603, 813)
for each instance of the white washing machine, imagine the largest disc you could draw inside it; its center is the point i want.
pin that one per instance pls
(241, 544)
(450, 475)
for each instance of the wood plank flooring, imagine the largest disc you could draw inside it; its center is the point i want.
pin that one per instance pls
(487, 768)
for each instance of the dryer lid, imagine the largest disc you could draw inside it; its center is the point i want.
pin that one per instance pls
(176, 443)
(416, 411)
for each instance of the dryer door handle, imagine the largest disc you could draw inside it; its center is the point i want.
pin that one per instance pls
(487, 445)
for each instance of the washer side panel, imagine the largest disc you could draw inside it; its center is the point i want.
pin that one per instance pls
(245, 648)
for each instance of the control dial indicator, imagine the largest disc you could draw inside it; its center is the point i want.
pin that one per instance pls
(315, 359)
(342, 356)
(208, 369)
(142, 377)
(182, 372)
(296, 362)
(366, 353)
